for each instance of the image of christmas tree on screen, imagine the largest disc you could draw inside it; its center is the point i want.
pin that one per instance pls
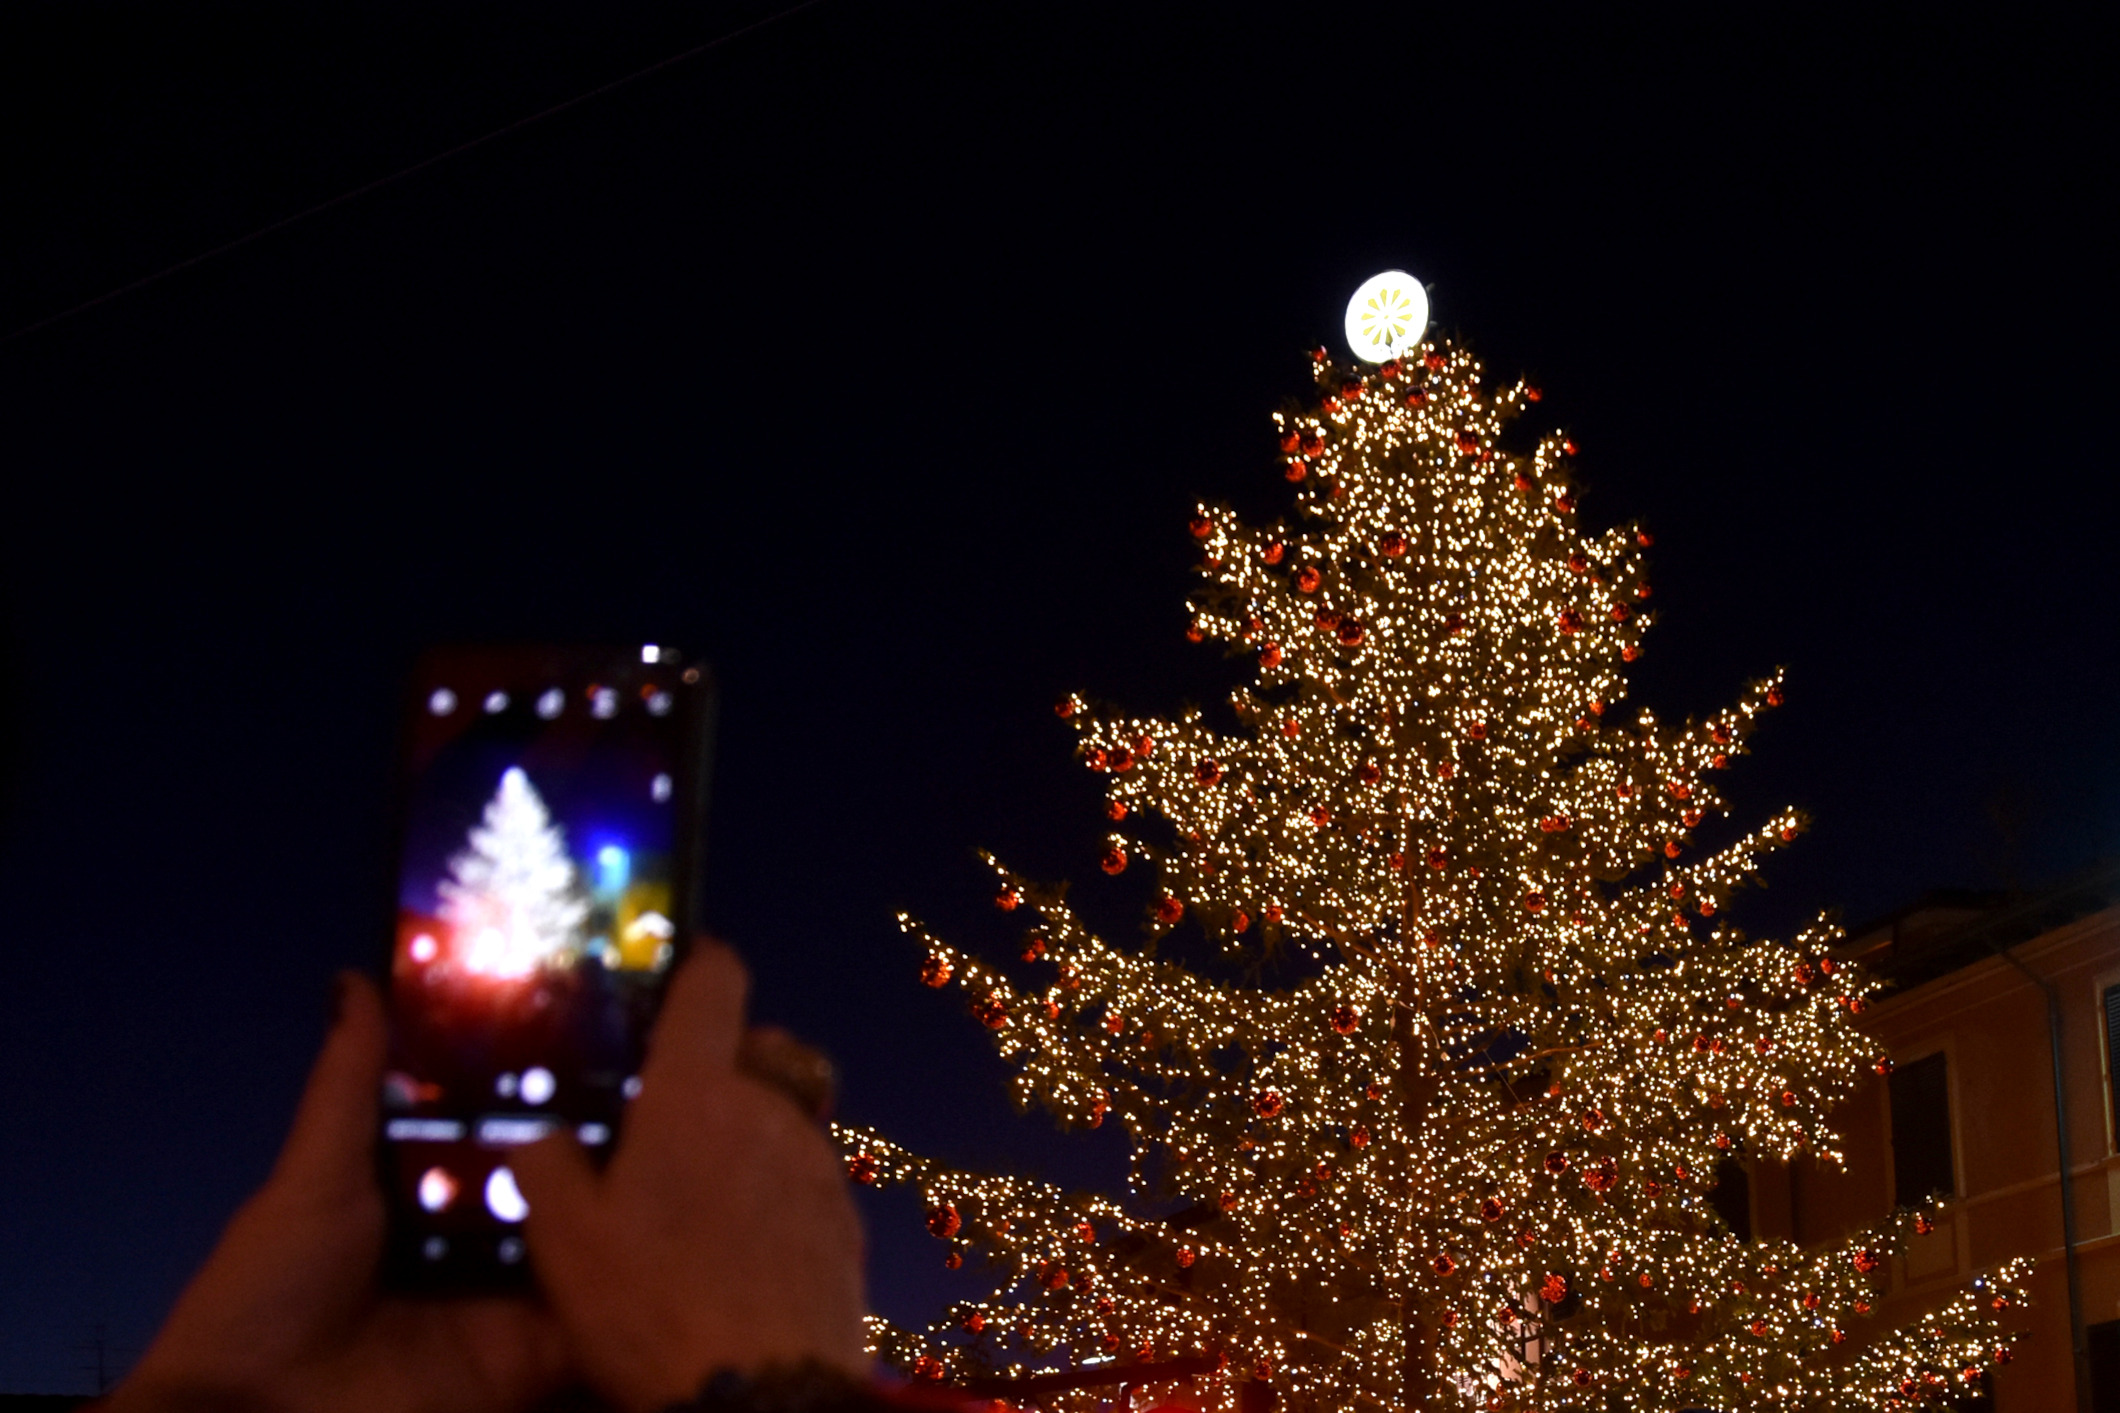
(1465, 1152)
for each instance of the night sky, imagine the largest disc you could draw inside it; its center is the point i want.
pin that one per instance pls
(881, 356)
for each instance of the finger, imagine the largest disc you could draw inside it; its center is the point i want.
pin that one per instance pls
(331, 1146)
(561, 1189)
(701, 1024)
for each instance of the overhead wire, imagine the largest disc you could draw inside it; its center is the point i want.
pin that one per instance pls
(371, 187)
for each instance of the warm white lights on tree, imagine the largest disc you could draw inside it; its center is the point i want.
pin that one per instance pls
(513, 897)
(1461, 1157)
(1386, 316)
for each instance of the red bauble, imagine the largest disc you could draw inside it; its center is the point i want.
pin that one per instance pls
(1680, 790)
(1240, 921)
(1185, 1257)
(928, 1370)
(1208, 772)
(943, 1221)
(1491, 1210)
(1520, 482)
(1368, 773)
(1454, 624)
(1567, 448)
(1320, 354)
(1579, 562)
(1358, 1136)
(1169, 909)
(1320, 816)
(1273, 552)
(1468, 440)
(1593, 1119)
(1392, 544)
(1690, 818)
(1922, 1225)
(1788, 1098)
(1332, 404)
(1195, 634)
(1534, 902)
(1433, 359)
(1564, 502)
(1619, 613)
(1268, 1103)
(1476, 730)
(1671, 849)
(1312, 443)
(1582, 1378)
(1884, 1065)
(1554, 1289)
(1034, 949)
(1351, 389)
(1308, 579)
(1554, 824)
(1115, 810)
(1114, 861)
(1416, 398)
(1865, 1261)
(1064, 708)
(1120, 758)
(1602, 1178)
(862, 1168)
(1644, 538)
(1096, 759)
(1774, 696)
(989, 1012)
(1297, 470)
(1389, 368)
(1273, 912)
(1290, 439)
(975, 1322)
(1803, 973)
(1345, 1018)
(1270, 656)
(1629, 653)
(1437, 858)
(1200, 526)
(1445, 1264)
(1008, 900)
(1227, 1202)
(1570, 621)
(1532, 393)
(935, 971)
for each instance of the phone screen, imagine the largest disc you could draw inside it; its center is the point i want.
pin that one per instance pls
(551, 810)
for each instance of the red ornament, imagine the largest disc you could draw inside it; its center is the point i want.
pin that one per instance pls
(1268, 1103)
(1922, 1225)
(935, 971)
(975, 1322)
(1345, 1018)
(1865, 1261)
(1332, 404)
(1554, 824)
(1307, 579)
(1351, 633)
(1273, 552)
(1534, 902)
(1096, 759)
(1619, 613)
(1208, 771)
(1200, 526)
(1273, 912)
(928, 1370)
(1491, 1210)
(1593, 1119)
(1313, 442)
(1392, 544)
(1532, 393)
(1368, 773)
(1554, 1289)
(1270, 656)
(1564, 502)
(1008, 900)
(1774, 697)
(1582, 1378)
(1757, 1327)
(1433, 360)
(1114, 861)
(1629, 653)
(1290, 438)
(1454, 624)
(1570, 621)
(1389, 368)
(1195, 634)
(1671, 849)
(1169, 909)
(943, 1221)
(1883, 1065)
(862, 1168)
(1445, 1264)
(989, 1012)
(1437, 858)
(1319, 354)
(1186, 1256)
(1477, 730)
(1240, 921)
(1788, 1098)
(1862, 1307)
(1064, 708)
(1115, 809)
(1351, 389)
(1358, 1136)
(1468, 440)
(1321, 816)
(1297, 470)
(1602, 1178)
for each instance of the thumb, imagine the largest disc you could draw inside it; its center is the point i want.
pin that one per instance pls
(330, 1149)
(562, 1191)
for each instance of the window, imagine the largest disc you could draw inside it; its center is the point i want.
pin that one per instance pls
(2112, 1055)
(1732, 1198)
(1921, 1132)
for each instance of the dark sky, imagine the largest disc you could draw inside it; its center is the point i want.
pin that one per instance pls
(881, 356)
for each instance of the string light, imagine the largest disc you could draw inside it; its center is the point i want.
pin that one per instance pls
(1467, 1162)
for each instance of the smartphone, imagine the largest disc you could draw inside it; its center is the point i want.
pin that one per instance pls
(552, 805)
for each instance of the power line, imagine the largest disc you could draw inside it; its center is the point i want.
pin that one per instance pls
(380, 182)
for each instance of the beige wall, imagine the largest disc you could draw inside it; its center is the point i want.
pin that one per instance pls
(1991, 1023)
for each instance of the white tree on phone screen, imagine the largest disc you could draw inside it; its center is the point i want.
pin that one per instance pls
(513, 897)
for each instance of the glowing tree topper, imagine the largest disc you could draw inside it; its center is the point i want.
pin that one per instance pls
(513, 896)
(1386, 316)
(1440, 1127)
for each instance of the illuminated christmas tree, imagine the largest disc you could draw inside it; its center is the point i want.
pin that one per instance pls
(513, 897)
(1464, 1158)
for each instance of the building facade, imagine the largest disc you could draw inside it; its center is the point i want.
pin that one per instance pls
(1969, 1110)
